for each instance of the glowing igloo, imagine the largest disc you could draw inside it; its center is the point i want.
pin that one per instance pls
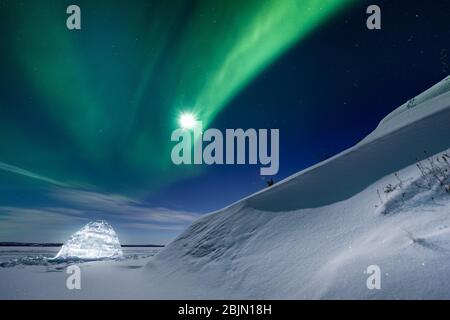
(96, 240)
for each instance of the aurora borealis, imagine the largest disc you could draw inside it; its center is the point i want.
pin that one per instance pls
(86, 116)
(111, 92)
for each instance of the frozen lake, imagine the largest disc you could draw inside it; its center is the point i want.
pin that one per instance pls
(26, 273)
(17, 256)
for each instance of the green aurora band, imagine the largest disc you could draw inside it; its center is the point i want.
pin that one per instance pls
(97, 106)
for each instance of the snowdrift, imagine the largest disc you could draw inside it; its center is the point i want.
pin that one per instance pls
(314, 234)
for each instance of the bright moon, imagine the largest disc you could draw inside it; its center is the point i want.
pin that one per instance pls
(187, 120)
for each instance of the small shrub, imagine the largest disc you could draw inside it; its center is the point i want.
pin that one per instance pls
(434, 177)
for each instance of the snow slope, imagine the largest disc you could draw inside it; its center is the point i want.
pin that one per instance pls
(314, 234)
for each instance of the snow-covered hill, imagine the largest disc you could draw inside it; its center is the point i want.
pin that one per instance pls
(314, 234)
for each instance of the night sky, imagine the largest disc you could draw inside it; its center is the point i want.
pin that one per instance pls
(86, 115)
